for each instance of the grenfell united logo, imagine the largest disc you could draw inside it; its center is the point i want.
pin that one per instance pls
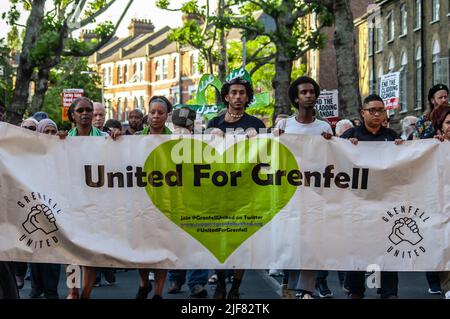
(405, 231)
(39, 227)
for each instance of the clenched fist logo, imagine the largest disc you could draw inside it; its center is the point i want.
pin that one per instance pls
(405, 229)
(40, 217)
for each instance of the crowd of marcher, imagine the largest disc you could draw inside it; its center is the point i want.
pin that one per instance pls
(88, 119)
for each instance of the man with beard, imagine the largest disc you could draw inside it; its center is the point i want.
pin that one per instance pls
(237, 95)
(135, 119)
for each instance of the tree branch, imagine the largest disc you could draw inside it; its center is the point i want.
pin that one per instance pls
(104, 40)
(255, 54)
(261, 63)
(91, 19)
(313, 39)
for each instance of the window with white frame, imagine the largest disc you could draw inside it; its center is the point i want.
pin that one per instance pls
(141, 71)
(119, 74)
(403, 20)
(164, 69)
(436, 62)
(403, 82)
(135, 103)
(435, 7)
(175, 92)
(418, 76)
(158, 71)
(141, 102)
(390, 26)
(379, 44)
(418, 14)
(194, 63)
(110, 75)
(371, 31)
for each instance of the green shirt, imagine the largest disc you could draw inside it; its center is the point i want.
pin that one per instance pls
(147, 131)
(94, 132)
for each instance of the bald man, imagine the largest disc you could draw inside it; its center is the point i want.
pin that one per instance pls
(99, 116)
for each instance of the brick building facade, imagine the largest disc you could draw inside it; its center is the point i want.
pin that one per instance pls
(407, 36)
(142, 65)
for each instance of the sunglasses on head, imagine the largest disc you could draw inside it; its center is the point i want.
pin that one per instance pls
(82, 109)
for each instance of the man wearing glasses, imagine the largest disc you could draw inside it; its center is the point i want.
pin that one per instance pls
(373, 114)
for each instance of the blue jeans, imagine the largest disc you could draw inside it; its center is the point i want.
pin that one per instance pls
(195, 277)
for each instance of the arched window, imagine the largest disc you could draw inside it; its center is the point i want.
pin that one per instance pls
(436, 62)
(135, 103)
(391, 64)
(418, 76)
(141, 103)
(403, 82)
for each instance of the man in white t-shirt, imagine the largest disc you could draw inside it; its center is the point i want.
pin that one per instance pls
(303, 94)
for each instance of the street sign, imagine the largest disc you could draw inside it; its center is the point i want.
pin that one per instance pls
(327, 106)
(67, 98)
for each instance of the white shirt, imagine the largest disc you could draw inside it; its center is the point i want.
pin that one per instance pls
(292, 126)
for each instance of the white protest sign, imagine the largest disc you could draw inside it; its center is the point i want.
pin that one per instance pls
(327, 106)
(390, 90)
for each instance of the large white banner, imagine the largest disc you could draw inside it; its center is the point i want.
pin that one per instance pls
(299, 202)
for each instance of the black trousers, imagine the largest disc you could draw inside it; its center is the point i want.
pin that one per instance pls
(45, 279)
(8, 287)
(355, 281)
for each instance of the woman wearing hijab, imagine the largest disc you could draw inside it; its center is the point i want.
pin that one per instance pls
(47, 126)
(29, 124)
(45, 277)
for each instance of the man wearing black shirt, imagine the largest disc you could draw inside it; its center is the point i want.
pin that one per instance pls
(135, 119)
(373, 114)
(236, 94)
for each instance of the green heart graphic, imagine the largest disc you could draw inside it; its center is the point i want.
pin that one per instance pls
(227, 206)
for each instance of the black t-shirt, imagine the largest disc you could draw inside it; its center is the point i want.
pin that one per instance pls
(244, 123)
(362, 134)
